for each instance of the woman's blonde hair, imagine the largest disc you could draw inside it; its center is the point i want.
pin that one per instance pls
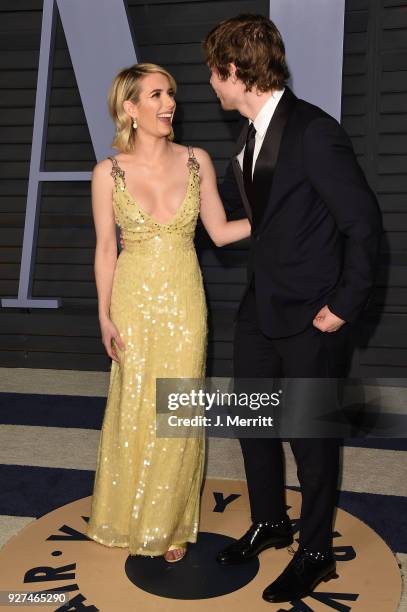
(126, 86)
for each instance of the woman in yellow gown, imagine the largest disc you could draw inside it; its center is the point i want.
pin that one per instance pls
(152, 315)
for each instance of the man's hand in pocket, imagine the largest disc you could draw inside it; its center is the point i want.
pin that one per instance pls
(327, 321)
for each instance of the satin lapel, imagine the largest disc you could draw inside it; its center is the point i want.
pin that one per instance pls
(241, 139)
(238, 171)
(268, 156)
(239, 180)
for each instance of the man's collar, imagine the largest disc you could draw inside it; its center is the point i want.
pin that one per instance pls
(263, 117)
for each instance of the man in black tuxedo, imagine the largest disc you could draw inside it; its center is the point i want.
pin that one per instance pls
(316, 231)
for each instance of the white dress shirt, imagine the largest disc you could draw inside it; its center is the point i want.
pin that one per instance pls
(261, 123)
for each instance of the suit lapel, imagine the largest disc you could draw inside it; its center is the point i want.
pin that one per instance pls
(267, 158)
(269, 153)
(241, 139)
(238, 171)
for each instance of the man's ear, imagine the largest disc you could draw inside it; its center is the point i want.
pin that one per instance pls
(232, 72)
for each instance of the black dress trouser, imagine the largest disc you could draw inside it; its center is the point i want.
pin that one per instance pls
(308, 354)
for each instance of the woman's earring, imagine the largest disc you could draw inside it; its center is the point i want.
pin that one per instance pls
(134, 123)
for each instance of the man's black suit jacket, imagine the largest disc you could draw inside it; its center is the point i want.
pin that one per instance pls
(316, 224)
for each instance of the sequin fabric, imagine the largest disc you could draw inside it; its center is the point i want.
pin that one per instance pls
(147, 489)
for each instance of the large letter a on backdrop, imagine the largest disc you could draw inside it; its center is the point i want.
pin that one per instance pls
(100, 42)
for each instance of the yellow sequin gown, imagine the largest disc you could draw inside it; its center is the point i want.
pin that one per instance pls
(147, 489)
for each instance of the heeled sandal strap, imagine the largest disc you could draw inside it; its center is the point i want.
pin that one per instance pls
(176, 546)
(182, 552)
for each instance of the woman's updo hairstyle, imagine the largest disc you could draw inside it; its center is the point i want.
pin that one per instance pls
(127, 86)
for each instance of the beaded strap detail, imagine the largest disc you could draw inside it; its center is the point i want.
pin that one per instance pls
(116, 170)
(192, 161)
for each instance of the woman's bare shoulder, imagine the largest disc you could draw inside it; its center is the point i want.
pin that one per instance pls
(202, 156)
(204, 160)
(183, 150)
(102, 170)
(179, 149)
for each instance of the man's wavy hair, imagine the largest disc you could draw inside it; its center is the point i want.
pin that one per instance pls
(254, 45)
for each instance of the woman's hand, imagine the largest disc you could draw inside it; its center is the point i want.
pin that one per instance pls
(122, 243)
(109, 333)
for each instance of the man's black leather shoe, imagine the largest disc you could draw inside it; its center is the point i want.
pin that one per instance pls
(301, 576)
(259, 537)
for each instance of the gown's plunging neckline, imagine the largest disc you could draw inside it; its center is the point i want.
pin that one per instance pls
(144, 212)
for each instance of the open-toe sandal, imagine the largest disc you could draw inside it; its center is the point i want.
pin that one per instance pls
(180, 554)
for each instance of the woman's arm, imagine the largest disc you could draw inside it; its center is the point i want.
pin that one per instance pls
(106, 251)
(212, 213)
